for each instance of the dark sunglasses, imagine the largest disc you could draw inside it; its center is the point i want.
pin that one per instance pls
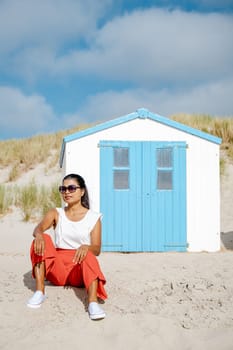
(70, 188)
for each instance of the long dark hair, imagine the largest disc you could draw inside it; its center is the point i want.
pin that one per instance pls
(80, 181)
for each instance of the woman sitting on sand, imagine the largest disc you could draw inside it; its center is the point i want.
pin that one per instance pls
(72, 261)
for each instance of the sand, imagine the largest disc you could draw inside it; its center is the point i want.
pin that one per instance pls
(156, 300)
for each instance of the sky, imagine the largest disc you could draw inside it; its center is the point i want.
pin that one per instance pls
(69, 62)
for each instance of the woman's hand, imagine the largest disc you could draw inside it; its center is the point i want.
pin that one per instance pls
(80, 254)
(39, 244)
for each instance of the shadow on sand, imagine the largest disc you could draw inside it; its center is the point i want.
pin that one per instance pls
(80, 293)
(227, 240)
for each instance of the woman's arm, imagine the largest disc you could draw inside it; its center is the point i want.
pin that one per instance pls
(94, 247)
(49, 220)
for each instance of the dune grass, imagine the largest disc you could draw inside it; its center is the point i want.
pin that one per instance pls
(25, 154)
(27, 200)
(6, 198)
(33, 200)
(221, 127)
(49, 198)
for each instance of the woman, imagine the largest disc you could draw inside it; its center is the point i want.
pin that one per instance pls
(72, 261)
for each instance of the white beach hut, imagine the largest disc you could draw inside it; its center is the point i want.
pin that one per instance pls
(156, 182)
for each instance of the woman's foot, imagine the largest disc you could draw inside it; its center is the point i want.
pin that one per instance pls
(36, 300)
(95, 311)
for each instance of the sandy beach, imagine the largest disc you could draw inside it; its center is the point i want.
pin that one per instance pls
(156, 300)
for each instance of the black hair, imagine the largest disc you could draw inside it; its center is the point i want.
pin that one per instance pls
(80, 181)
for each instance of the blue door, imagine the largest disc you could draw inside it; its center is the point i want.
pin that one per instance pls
(143, 196)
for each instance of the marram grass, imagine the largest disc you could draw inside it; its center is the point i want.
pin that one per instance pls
(221, 127)
(25, 154)
(6, 198)
(33, 200)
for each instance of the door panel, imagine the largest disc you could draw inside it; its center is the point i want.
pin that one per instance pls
(118, 203)
(143, 195)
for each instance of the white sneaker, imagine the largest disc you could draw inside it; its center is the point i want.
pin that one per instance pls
(95, 311)
(36, 300)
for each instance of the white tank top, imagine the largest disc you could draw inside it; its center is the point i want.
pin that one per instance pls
(72, 234)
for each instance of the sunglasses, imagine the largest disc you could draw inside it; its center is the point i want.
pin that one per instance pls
(70, 188)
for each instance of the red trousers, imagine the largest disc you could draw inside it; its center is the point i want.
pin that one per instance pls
(61, 271)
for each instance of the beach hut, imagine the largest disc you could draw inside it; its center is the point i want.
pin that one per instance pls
(156, 181)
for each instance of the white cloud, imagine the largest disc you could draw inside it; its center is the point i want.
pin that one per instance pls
(171, 61)
(156, 45)
(34, 33)
(24, 115)
(214, 99)
(52, 22)
(145, 47)
(210, 98)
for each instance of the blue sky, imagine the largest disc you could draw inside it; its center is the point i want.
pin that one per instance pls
(66, 62)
